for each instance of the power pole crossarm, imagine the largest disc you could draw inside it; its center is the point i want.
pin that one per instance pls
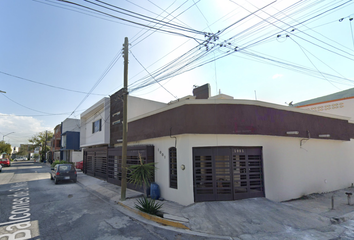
(125, 123)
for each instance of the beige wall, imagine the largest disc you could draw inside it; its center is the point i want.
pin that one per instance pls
(290, 171)
(341, 108)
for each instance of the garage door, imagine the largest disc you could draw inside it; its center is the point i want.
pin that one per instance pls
(227, 173)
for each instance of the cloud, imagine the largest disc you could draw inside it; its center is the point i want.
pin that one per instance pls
(275, 76)
(23, 128)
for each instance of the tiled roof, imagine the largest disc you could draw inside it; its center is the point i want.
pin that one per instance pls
(349, 93)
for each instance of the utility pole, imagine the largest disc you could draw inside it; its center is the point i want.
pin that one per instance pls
(125, 123)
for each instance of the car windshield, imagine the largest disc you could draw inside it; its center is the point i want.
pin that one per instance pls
(62, 168)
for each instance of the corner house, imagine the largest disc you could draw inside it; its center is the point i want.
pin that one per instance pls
(219, 148)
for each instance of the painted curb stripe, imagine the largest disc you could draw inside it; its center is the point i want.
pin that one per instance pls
(155, 218)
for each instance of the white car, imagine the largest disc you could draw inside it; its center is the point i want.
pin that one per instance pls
(20, 159)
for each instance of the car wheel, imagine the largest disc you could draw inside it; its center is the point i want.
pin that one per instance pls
(55, 181)
(51, 177)
(75, 180)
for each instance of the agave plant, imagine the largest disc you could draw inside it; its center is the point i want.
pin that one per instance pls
(142, 174)
(148, 205)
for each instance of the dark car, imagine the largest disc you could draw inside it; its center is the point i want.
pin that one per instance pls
(5, 162)
(63, 172)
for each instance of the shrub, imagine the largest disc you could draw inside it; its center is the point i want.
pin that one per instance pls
(60, 162)
(148, 205)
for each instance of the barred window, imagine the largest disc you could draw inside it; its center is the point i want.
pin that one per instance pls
(173, 167)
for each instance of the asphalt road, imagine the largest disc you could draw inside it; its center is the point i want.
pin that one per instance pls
(33, 207)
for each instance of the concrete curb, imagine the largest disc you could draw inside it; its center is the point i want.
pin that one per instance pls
(155, 218)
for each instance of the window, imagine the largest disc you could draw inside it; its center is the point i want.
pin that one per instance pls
(173, 167)
(96, 126)
(116, 114)
(115, 122)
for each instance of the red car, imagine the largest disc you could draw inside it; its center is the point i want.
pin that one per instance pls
(5, 162)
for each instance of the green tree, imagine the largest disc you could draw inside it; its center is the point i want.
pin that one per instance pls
(23, 150)
(5, 148)
(39, 140)
(142, 174)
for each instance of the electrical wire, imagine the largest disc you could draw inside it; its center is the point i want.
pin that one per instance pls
(48, 85)
(113, 62)
(151, 75)
(313, 63)
(23, 105)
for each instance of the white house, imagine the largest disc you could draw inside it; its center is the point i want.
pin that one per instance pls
(219, 148)
(95, 125)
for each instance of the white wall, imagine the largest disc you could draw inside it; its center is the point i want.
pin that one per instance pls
(56, 156)
(76, 156)
(289, 171)
(70, 124)
(341, 108)
(140, 106)
(100, 110)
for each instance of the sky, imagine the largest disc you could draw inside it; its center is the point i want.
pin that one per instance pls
(58, 58)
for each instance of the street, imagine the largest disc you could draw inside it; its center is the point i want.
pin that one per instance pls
(33, 207)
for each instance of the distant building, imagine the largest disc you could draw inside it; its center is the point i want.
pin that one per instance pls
(340, 103)
(70, 140)
(55, 144)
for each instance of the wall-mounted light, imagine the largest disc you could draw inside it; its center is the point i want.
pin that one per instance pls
(292, 132)
(183, 167)
(324, 135)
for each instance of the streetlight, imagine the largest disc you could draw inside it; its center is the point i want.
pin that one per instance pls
(3, 137)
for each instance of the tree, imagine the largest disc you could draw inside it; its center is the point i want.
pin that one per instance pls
(142, 174)
(23, 150)
(39, 140)
(5, 148)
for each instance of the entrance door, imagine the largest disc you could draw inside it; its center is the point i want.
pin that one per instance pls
(227, 173)
(247, 173)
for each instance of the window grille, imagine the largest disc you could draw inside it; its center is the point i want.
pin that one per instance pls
(173, 167)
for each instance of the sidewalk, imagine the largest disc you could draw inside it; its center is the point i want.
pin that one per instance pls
(308, 218)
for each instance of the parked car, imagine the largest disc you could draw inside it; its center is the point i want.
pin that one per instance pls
(5, 162)
(63, 172)
(0, 167)
(20, 159)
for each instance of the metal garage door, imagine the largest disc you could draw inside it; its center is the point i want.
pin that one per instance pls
(227, 173)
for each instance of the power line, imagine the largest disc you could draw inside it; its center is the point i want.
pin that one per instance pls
(151, 75)
(314, 64)
(23, 105)
(48, 85)
(126, 20)
(113, 62)
(146, 18)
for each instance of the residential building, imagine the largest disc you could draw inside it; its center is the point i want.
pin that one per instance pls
(70, 140)
(219, 148)
(95, 125)
(340, 103)
(55, 144)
